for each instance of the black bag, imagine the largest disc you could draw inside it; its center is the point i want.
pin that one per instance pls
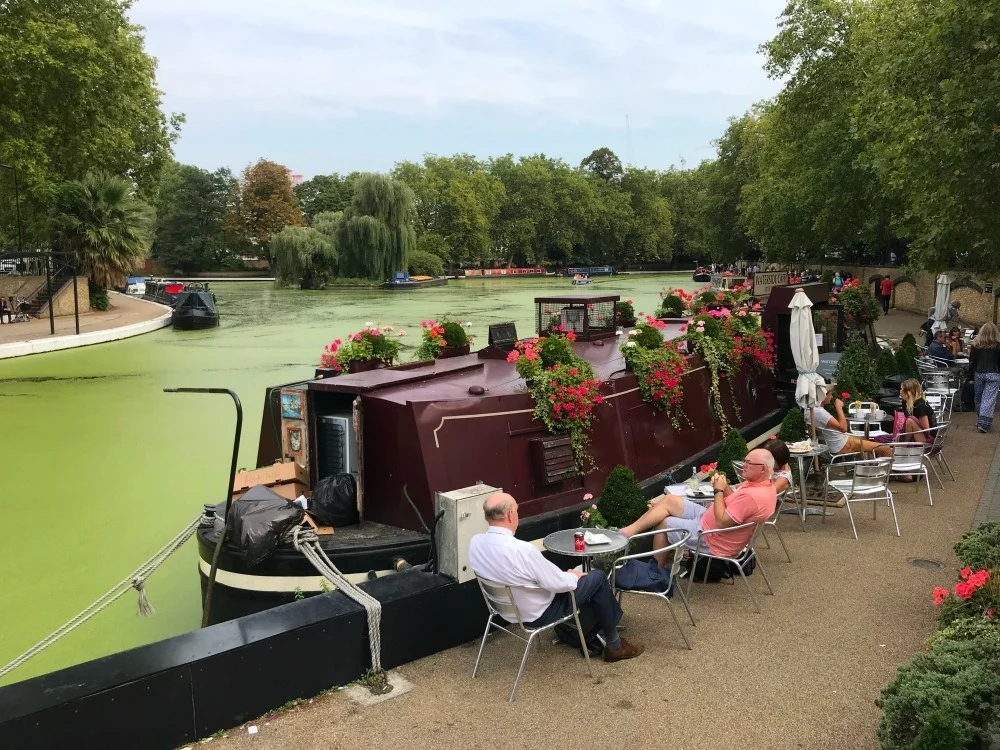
(257, 520)
(335, 501)
(718, 570)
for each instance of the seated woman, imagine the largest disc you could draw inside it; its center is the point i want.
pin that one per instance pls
(782, 476)
(919, 414)
(954, 341)
(835, 433)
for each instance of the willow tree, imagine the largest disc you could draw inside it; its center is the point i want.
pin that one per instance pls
(304, 256)
(376, 233)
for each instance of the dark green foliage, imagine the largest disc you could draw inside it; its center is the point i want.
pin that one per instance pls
(454, 333)
(909, 343)
(906, 363)
(707, 298)
(886, 362)
(828, 276)
(856, 371)
(734, 448)
(190, 209)
(648, 337)
(376, 233)
(712, 326)
(793, 426)
(947, 698)
(98, 297)
(624, 312)
(672, 307)
(422, 263)
(621, 501)
(304, 256)
(980, 548)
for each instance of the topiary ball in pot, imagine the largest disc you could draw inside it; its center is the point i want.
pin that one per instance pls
(886, 362)
(621, 500)
(793, 426)
(734, 448)
(649, 338)
(454, 333)
(672, 307)
(857, 368)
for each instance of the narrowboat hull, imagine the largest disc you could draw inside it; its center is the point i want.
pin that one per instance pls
(194, 320)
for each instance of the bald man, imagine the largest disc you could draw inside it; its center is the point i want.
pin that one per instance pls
(498, 556)
(753, 500)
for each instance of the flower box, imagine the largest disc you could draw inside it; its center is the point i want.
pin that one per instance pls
(454, 351)
(364, 365)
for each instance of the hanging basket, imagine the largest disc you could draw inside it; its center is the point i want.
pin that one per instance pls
(454, 351)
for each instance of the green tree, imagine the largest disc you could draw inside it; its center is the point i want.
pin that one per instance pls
(327, 222)
(77, 94)
(435, 244)
(927, 92)
(376, 233)
(736, 166)
(261, 204)
(604, 164)
(100, 219)
(190, 208)
(422, 263)
(325, 193)
(652, 233)
(687, 192)
(303, 256)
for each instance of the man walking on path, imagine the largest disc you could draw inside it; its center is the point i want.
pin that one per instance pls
(886, 290)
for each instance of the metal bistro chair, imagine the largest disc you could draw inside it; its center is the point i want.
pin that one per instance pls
(910, 459)
(675, 548)
(941, 403)
(772, 522)
(739, 561)
(935, 448)
(868, 482)
(500, 603)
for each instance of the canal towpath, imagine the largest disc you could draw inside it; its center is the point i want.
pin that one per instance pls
(128, 317)
(803, 674)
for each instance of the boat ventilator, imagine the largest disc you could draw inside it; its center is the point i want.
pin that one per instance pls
(135, 580)
(307, 542)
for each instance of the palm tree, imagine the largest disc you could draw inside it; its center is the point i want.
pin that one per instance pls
(100, 219)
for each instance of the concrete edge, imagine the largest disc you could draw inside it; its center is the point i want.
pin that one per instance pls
(72, 341)
(989, 503)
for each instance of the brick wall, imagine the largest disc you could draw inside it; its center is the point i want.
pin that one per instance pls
(20, 286)
(64, 300)
(916, 293)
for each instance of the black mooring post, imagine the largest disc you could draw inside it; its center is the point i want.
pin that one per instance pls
(48, 288)
(76, 301)
(229, 490)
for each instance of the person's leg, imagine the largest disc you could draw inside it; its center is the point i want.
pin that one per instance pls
(911, 432)
(594, 590)
(665, 505)
(988, 401)
(880, 451)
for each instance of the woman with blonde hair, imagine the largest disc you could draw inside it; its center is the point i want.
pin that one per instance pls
(919, 414)
(984, 367)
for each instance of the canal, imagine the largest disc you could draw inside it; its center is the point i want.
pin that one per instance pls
(100, 468)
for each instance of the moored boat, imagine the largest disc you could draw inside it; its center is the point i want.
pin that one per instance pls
(194, 309)
(410, 432)
(580, 279)
(701, 275)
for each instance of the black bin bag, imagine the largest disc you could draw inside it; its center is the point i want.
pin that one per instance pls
(257, 521)
(335, 501)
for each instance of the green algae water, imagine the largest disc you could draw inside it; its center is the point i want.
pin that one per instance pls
(99, 467)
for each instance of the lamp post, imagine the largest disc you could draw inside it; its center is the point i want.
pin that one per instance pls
(17, 206)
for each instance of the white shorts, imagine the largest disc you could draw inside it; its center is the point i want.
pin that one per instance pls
(689, 521)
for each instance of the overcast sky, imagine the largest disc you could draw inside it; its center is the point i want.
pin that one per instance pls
(342, 85)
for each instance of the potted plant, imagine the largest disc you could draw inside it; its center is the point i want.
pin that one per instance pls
(563, 386)
(624, 313)
(860, 306)
(675, 304)
(444, 338)
(370, 348)
(706, 335)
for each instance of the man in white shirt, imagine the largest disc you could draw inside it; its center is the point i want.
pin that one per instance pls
(498, 556)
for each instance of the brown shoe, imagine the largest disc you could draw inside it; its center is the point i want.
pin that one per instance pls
(625, 651)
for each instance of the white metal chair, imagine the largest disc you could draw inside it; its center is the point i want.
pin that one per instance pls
(937, 451)
(868, 482)
(910, 459)
(675, 548)
(772, 522)
(739, 561)
(500, 603)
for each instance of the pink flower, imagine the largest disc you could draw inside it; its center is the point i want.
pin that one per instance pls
(356, 336)
(593, 507)
(401, 333)
(588, 496)
(513, 356)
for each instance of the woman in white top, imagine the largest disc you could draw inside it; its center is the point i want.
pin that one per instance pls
(834, 429)
(782, 476)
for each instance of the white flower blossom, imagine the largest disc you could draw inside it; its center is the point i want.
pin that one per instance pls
(633, 332)
(619, 332)
(629, 343)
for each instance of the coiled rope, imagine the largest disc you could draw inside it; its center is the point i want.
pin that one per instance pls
(135, 580)
(307, 542)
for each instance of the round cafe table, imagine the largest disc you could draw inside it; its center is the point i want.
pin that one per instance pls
(562, 543)
(800, 457)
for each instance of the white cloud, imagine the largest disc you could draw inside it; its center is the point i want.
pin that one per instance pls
(588, 61)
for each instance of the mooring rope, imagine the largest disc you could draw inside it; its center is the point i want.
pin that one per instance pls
(135, 580)
(307, 542)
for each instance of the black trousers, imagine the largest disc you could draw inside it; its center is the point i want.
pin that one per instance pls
(594, 598)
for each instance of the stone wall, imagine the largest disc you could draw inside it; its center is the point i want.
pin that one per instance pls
(20, 286)
(916, 293)
(64, 300)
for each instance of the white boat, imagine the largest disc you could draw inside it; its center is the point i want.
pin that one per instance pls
(579, 279)
(135, 286)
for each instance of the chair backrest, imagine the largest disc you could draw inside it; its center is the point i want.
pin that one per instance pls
(499, 600)
(907, 453)
(872, 474)
(738, 468)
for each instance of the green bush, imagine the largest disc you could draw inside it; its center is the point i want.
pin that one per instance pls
(98, 297)
(707, 298)
(648, 337)
(793, 426)
(828, 276)
(856, 371)
(948, 697)
(909, 343)
(422, 263)
(734, 448)
(454, 333)
(672, 307)
(980, 548)
(621, 500)
(906, 363)
(886, 362)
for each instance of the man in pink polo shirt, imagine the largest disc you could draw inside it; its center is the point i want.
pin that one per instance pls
(753, 500)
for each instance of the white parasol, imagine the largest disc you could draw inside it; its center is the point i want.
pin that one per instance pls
(810, 390)
(941, 303)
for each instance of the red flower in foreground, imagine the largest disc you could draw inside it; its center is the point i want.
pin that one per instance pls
(964, 590)
(845, 394)
(940, 594)
(965, 573)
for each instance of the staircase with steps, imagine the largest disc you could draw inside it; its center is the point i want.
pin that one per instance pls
(39, 302)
